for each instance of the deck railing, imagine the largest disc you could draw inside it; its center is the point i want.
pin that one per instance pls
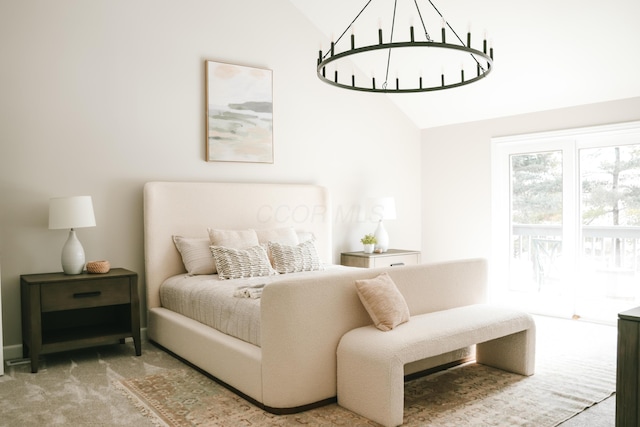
(608, 247)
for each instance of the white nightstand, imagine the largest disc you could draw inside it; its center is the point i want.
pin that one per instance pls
(390, 258)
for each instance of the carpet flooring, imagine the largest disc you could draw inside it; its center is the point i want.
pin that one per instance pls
(106, 386)
(571, 375)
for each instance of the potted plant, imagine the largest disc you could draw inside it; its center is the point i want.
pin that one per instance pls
(369, 241)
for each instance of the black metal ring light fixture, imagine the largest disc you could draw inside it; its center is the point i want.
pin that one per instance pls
(331, 57)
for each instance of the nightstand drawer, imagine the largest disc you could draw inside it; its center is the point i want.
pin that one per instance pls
(94, 293)
(389, 261)
(391, 258)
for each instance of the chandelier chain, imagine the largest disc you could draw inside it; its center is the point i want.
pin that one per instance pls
(454, 33)
(393, 25)
(424, 27)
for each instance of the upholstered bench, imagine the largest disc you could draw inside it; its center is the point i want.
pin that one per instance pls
(371, 362)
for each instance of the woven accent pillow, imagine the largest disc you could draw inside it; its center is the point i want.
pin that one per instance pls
(196, 255)
(383, 301)
(292, 259)
(239, 263)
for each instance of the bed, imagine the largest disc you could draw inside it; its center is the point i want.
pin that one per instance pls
(290, 363)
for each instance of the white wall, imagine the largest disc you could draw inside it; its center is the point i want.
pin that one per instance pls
(99, 97)
(456, 173)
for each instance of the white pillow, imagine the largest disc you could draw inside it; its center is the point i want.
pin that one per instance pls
(292, 259)
(196, 255)
(238, 263)
(303, 236)
(284, 235)
(236, 239)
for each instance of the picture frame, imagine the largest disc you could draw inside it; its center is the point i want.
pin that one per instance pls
(239, 113)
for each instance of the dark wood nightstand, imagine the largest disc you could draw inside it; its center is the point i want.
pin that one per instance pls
(390, 258)
(628, 369)
(62, 312)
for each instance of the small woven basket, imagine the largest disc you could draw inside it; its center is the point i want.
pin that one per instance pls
(98, 267)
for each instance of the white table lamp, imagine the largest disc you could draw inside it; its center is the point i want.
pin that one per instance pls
(71, 212)
(383, 208)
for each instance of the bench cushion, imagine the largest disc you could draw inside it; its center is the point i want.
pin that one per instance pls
(431, 334)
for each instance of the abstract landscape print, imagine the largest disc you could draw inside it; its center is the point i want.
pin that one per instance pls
(239, 113)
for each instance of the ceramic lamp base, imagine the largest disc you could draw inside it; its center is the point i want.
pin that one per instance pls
(382, 238)
(72, 255)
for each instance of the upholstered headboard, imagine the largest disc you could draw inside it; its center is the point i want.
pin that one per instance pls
(189, 208)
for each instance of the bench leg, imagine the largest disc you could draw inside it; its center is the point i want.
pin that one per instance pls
(514, 353)
(373, 390)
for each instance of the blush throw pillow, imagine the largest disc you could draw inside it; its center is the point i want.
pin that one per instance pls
(196, 255)
(383, 301)
(292, 259)
(239, 263)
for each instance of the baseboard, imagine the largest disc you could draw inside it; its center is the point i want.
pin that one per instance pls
(13, 353)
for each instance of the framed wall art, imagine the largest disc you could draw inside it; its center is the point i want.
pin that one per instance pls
(239, 113)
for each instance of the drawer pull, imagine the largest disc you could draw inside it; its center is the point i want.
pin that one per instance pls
(396, 264)
(87, 294)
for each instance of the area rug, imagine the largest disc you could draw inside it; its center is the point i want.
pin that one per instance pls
(571, 375)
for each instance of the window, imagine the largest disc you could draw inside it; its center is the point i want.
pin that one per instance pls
(566, 221)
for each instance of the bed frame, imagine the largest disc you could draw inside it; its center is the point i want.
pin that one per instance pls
(187, 209)
(302, 319)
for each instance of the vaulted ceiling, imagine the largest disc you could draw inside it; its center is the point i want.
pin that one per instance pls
(548, 53)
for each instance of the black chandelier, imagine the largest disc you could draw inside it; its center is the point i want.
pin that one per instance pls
(405, 51)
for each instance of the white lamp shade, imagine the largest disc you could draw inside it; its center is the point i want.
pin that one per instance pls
(383, 208)
(71, 212)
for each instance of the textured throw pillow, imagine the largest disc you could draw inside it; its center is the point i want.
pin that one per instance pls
(291, 259)
(238, 263)
(236, 239)
(383, 301)
(196, 255)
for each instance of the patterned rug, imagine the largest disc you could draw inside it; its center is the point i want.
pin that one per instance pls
(572, 373)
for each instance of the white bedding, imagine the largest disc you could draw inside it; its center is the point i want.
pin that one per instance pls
(211, 301)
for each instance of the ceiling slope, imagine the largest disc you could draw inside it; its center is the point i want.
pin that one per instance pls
(549, 54)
